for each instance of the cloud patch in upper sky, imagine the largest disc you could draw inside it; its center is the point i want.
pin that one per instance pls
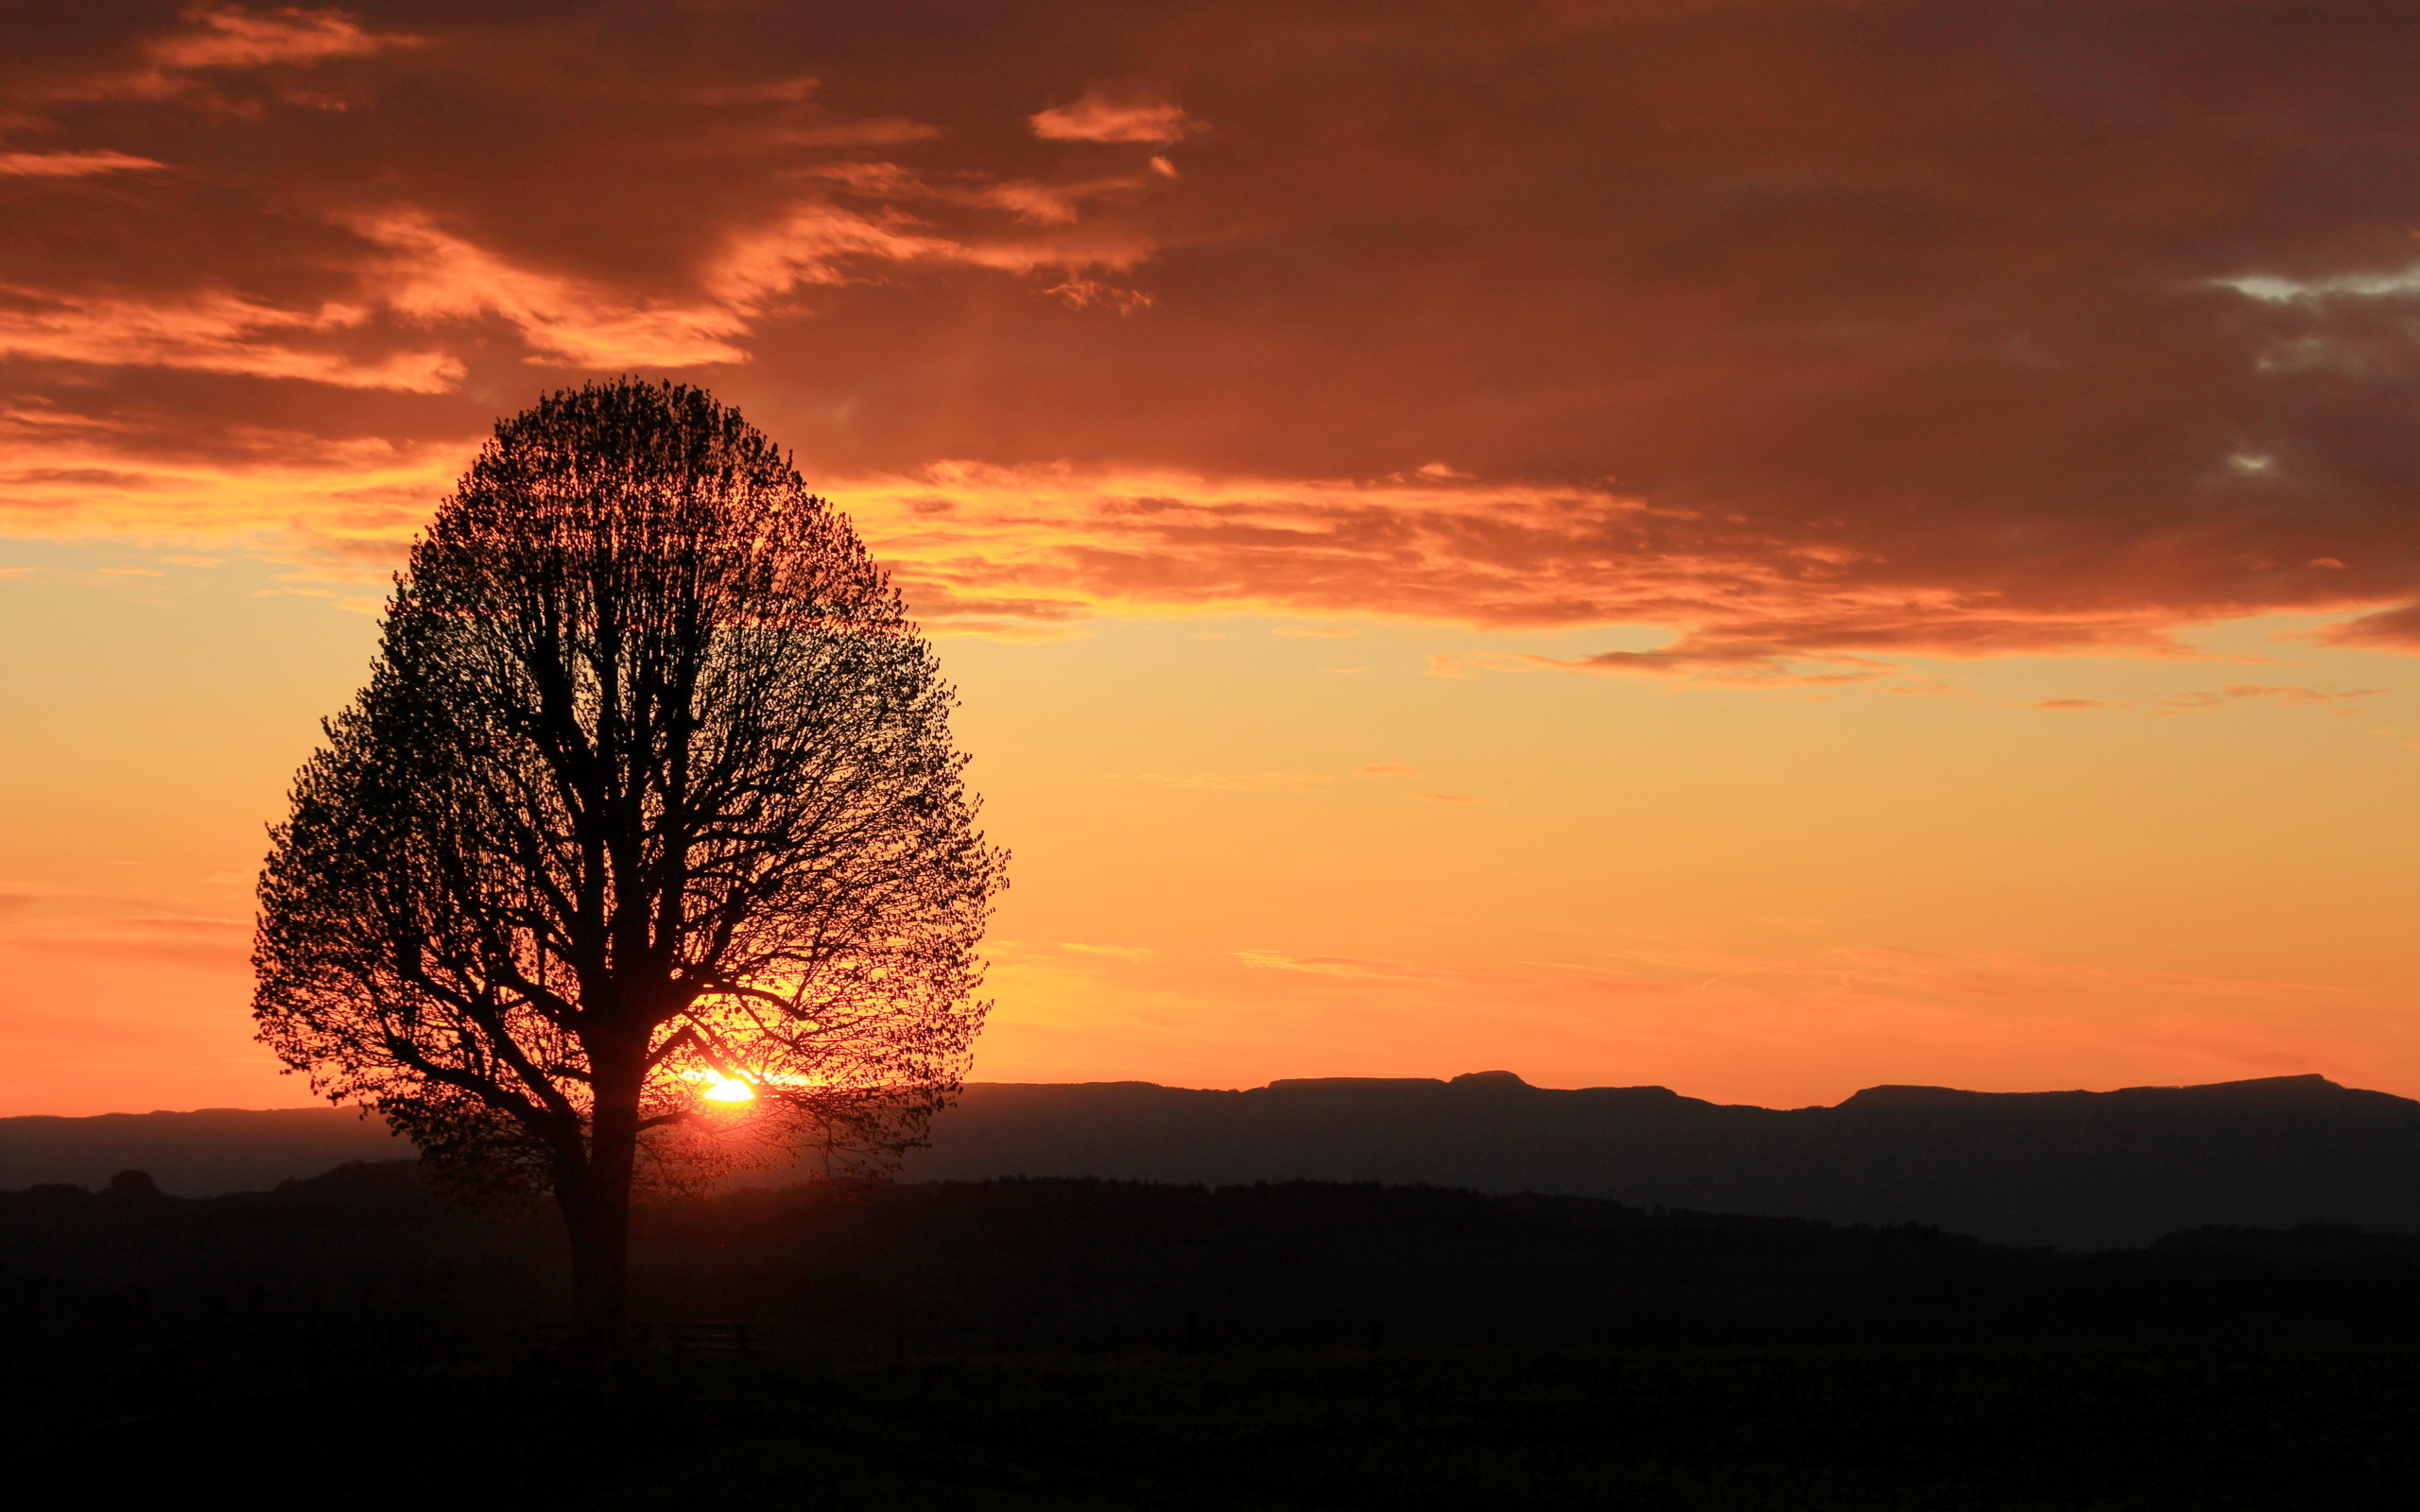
(1239, 781)
(70, 164)
(1131, 954)
(1812, 334)
(2392, 629)
(2291, 693)
(1268, 960)
(233, 37)
(210, 330)
(236, 37)
(195, 62)
(1101, 115)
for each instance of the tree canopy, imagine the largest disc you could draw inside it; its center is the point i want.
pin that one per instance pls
(646, 850)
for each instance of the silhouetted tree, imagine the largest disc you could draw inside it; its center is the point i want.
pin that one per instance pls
(645, 851)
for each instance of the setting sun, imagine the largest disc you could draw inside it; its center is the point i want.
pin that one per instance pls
(730, 1090)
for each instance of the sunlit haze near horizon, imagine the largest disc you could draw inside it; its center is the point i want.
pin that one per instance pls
(1763, 548)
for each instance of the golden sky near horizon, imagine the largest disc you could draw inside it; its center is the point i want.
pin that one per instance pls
(1766, 548)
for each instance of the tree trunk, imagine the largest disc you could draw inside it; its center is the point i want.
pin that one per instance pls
(599, 1271)
(597, 1213)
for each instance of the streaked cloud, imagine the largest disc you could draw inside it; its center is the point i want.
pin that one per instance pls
(2403, 283)
(429, 274)
(211, 331)
(1100, 116)
(1898, 352)
(209, 943)
(70, 164)
(339, 507)
(1131, 954)
(2290, 693)
(2294, 693)
(214, 46)
(1238, 782)
(1324, 965)
(2392, 629)
(234, 37)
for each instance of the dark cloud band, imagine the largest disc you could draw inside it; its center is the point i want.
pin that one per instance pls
(1817, 331)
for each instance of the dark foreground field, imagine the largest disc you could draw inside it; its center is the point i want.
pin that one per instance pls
(354, 1341)
(2094, 1428)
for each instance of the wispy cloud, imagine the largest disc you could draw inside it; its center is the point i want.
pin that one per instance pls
(1106, 115)
(209, 943)
(2236, 692)
(1324, 965)
(429, 274)
(213, 331)
(234, 37)
(218, 42)
(71, 164)
(1131, 954)
(1239, 781)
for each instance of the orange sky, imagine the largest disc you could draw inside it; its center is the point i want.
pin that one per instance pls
(1765, 547)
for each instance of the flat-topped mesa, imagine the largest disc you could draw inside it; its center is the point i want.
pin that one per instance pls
(1471, 1081)
(2306, 1091)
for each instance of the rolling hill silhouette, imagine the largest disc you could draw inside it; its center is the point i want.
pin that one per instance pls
(2078, 1170)
(2075, 1169)
(198, 1154)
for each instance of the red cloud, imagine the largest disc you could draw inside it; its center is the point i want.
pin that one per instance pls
(233, 37)
(210, 330)
(69, 165)
(1812, 334)
(1103, 117)
(2394, 630)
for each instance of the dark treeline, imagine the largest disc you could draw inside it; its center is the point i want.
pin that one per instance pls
(1296, 1344)
(1043, 1266)
(367, 1257)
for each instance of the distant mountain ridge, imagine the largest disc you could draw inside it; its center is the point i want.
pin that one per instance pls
(198, 1154)
(2075, 1169)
